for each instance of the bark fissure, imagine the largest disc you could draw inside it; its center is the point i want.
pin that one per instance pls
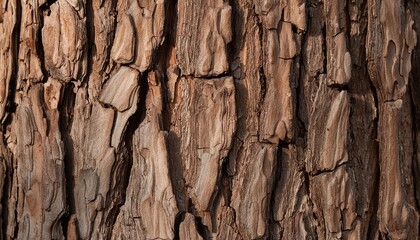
(65, 122)
(90, 35)
(9, 208)
(39, 44)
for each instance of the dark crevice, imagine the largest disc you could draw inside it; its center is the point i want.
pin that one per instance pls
(277, 176)
(179, 218)
(119, 181)
(415, 100)
(223, 189)
(324, 48)
(162, 57)
(161, 61)
(122, 170)
(90, 35)
(263, 84)
(299, 123)
(415, 164)
(209, 77)
(262, 78)
(5, 196)
(348, 25)
(109, 64)
(339, 87)
(202, 229)
(323, 171)
(46, 6)
(11, 108)
(373, 223)
(7, 160)
(295, 30)
(39, 45)
(307, 182)
(1, 11)
(376, 101)
(138, 117)
(166, 105)
(66, 109)
(373, 208)
(414, 92)
(227, 178)
(392, 100)
(175, 171)
(416, 153)
(232, 47)
(15, 44)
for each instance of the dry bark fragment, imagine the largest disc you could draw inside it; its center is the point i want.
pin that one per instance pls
(39, 155)
(389, 68)
(29, 63)
(7, 52)
(338, 57)
(292, 211)
(204, 121)
(150, 207)
(204, 30)
(148, 19)
(328, 137)
(251, 211)
(281, 47)
(64, 41)
(397, 214)
(103, 29)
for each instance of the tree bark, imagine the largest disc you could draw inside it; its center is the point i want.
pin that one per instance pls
(210, 119)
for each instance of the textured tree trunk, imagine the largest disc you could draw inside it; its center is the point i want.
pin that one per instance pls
(209, 119)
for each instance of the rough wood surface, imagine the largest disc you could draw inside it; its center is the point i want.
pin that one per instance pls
(200, 119)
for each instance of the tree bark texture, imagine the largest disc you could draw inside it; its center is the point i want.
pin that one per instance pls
(209, 119)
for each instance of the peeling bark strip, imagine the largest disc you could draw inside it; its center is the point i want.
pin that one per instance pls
(240, 119)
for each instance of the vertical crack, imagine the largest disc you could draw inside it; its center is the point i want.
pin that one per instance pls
(373, 223)
(416, 152)
(162, 57)
(122, 171)
(11, 108)
(276, 180)
(324, 49)
(1, 11)
(42, 10)
(263, 84)
(66, 109)
(45, 6)
(232, 46)
(300, 125)
(161, 62)
(179, 218)
(90, 30)
(202, 229)
(415, 104)
(262, 78)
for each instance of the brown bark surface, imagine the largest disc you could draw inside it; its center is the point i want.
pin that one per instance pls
(209, 119)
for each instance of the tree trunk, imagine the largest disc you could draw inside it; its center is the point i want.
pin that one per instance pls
(210, 119)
